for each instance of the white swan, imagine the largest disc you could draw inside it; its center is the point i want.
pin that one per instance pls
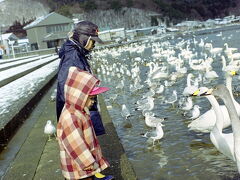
(207, 120)
(201, 44)
(226, 143)
(234, 56)
(228, 51)
(197, 64)
(189, 89)
(210, 74)
(213, 51)
(156, 72)
(229, 67)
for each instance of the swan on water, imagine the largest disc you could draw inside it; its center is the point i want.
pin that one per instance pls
(226, 143)
(230, 67)
(212, 50)
(189, 89)
(228, 50)
(206, 121)
(156, 72)
(210, 74)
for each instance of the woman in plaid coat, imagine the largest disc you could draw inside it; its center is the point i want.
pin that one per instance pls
(80, 152)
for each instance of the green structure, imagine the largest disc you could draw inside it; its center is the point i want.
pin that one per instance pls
(48, 31)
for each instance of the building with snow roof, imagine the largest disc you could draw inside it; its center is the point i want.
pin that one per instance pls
(48, 31)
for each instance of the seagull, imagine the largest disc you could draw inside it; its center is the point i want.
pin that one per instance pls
(151, 120)
(172, 99)
(49, 129)
(125, 112)
(195, 112)
(53, 95)
(188, 104)
(157, 134)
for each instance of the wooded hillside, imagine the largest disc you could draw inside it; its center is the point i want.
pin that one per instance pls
(174, 9)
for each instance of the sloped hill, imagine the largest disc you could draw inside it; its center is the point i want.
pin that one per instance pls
(20, 10)
(174, 9)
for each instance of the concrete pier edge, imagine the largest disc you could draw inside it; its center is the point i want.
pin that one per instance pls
(44, 163)
(120, 166)
(13, 124)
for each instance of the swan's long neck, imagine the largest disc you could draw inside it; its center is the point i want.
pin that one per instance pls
(189, 80)
(151, 68)
(226, 97)
(218, 112)
(224, 63)
(226, 45)
(229, 85)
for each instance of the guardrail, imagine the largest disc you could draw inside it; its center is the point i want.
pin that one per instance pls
(31, 53)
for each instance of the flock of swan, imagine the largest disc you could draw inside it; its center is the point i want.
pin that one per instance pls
(162, 68)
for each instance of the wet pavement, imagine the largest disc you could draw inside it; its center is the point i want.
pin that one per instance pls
(29, 154)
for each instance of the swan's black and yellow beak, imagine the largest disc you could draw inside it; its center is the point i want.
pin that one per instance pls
(233, 73)
(209, 92)
(202, 92)
(196, 93)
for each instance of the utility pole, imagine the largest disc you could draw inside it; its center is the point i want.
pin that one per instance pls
(11, 43)
(1, 33)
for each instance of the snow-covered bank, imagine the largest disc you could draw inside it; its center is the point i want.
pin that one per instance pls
(16, 94)
(21, 62)
(16, 72)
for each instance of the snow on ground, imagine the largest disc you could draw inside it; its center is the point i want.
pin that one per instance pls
(19, 69)
(12, 63)
(3, 61)
(16, 94)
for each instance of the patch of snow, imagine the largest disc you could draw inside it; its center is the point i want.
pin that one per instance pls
(20, 69)
(10, 64)
(16, 94)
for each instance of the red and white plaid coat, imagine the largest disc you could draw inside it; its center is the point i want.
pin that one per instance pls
(79, 146)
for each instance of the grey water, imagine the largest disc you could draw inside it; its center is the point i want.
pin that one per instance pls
(181, 153)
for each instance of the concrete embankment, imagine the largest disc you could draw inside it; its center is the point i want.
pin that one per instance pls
(25, 107)
(37, 158)
(21, 95)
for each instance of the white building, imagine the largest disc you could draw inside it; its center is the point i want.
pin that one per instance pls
(8, 40)
(23, 45)
(113, 34)
(185, 25)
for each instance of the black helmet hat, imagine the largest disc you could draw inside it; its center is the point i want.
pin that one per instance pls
(89, 29)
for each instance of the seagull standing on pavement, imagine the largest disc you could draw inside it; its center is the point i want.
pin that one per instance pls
(49, 129)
